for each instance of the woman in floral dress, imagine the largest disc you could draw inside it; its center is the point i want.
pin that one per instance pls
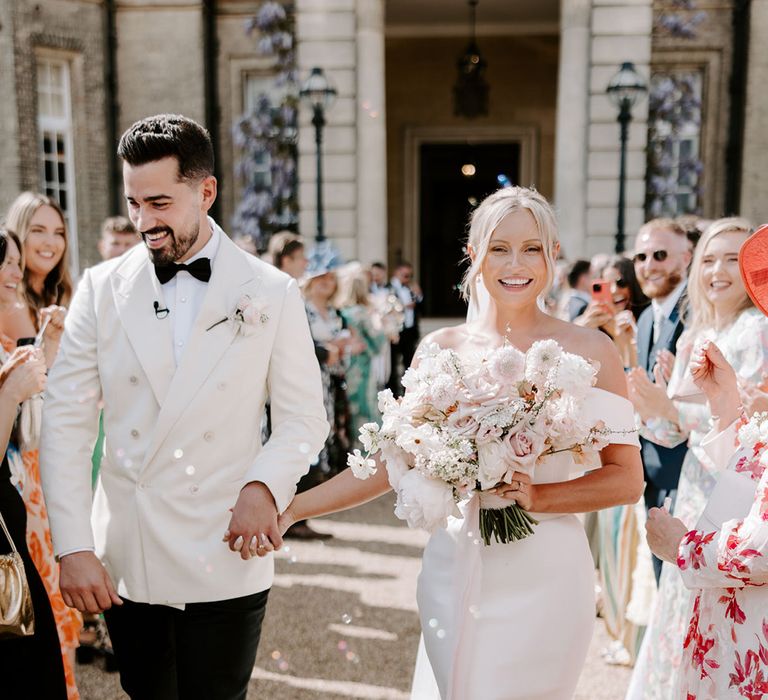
(725, 648)
(719, 311)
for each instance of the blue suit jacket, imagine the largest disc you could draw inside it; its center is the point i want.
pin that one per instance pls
(662, 465)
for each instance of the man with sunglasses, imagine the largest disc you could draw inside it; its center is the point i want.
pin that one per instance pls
(662, 256)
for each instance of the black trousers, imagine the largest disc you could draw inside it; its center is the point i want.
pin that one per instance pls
(204, 652)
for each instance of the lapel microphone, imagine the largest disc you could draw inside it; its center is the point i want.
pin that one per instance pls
(160, 313)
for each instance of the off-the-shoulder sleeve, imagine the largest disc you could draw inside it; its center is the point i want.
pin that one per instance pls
(616, 414)
(734, 556)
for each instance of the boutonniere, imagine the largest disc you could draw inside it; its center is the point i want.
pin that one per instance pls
(247, 315)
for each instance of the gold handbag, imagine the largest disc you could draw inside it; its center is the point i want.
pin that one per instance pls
(17, 616)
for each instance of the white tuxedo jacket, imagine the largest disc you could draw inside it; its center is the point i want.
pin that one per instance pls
(180, 442)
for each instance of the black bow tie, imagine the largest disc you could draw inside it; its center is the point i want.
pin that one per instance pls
(199, 269)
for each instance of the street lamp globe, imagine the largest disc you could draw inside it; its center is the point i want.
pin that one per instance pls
(317, 92)
(626, 87)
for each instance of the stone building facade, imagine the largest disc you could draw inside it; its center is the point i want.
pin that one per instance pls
(393, 63)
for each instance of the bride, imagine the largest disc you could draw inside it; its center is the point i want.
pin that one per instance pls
(512, 620)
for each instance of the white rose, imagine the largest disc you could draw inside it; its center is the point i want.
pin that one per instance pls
(492, 463)
(423, 502)
(361, 466)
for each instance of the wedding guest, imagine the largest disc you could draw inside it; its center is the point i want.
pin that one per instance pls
(723, 562)
(409, 293)
(118, 235)
(618, 318)
(378, 273)
(41, 227)
(288, 254)
(358, 313)
(718, 310)
(618, 529)
(332, 339)
(579, 281)
(662, 256)
(30, 666)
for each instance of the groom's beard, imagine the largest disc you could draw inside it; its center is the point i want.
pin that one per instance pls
(177, 247)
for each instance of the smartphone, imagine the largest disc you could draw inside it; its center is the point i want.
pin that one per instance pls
(601, 292)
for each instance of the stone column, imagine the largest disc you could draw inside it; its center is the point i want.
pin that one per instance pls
(621, 31)
(755, 147)
(371, 134)
(326, 33)
(572, 120)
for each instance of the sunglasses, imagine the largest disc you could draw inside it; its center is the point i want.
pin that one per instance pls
(658, 256)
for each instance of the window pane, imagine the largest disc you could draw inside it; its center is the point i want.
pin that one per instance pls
(57, 105)
(62, 172)
(48, 170)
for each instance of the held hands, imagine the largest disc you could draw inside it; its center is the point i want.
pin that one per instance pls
(85, 583)
(23, 374)
(286, 519)
(253, 529)
(664, 534)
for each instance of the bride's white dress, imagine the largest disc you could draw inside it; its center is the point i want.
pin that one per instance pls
(512, 621)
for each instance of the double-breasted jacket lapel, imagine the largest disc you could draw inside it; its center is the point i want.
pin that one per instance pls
(136, 289)
(231, 278)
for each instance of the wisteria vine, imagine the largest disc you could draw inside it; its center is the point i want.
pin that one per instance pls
(674, 105)
(268, 133)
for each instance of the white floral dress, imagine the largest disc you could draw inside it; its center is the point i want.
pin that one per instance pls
(745, 345)
(725, 649)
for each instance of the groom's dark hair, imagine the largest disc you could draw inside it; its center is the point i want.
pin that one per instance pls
(169, 135)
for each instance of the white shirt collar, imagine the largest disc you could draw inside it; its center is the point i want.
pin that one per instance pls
(663, 308)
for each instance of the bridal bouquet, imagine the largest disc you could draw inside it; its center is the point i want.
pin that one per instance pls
(467, 424)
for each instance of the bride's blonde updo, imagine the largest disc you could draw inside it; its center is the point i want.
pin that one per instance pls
(488, 215)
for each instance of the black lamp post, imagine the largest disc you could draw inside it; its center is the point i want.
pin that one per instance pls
(624, 90)
(319, 94)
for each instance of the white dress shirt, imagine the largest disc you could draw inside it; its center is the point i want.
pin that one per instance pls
(183, 296)
(406, 297)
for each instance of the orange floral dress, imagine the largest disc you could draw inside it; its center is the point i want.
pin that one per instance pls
(69, 621)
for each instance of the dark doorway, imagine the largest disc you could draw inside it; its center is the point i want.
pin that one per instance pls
(454, 179)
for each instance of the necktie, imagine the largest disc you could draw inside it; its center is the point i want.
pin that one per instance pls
(199, 269)
(658, 321)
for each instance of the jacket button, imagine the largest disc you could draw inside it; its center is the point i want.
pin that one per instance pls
(208, 436)
(134, 433)
(194, 489)
(133, 380)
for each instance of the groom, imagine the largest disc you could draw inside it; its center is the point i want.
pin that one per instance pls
(181, 339)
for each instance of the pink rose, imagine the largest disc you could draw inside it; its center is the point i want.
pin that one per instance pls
(523, 449)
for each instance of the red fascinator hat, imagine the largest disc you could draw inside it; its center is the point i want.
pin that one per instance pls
(753, 264)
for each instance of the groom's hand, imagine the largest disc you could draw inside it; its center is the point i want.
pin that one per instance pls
(85, 583)
(253, 529)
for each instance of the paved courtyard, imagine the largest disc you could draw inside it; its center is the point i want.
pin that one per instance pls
(342, 619)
